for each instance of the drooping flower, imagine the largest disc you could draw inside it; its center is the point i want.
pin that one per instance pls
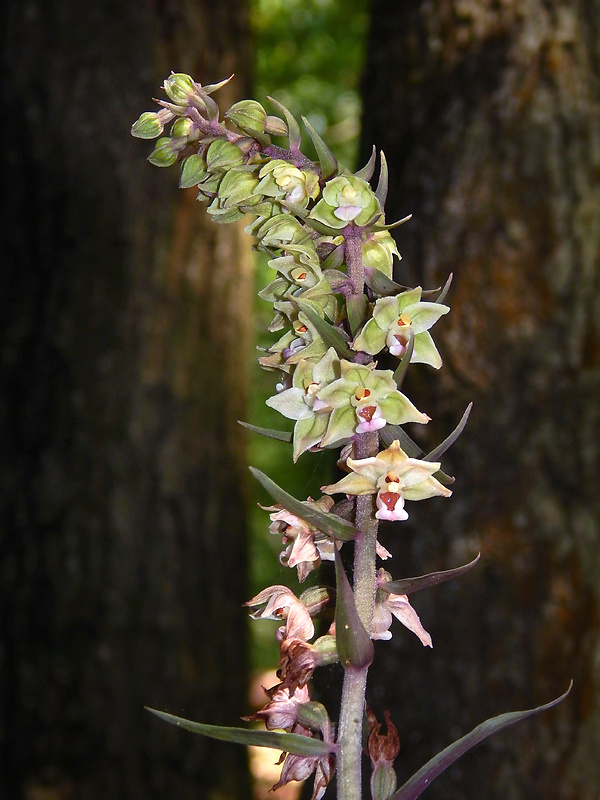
(280, 603)
(299, 768)
(397, 605)
(394, 477)
(281, 712)
(364, 399)
(306, 546)
(393, 321)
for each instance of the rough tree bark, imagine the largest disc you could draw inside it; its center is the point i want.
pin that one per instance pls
(489, 115)
(126, 317)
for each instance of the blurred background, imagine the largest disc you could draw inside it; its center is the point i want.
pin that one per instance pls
(129, 533)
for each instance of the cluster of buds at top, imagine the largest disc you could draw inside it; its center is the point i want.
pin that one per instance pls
(336, 312)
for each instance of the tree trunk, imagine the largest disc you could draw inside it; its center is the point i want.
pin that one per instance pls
(126, 320)
(488, 114)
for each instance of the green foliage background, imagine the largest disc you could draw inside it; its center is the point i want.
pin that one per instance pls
(309, 56)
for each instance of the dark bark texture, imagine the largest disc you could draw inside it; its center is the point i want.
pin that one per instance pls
(489, 114)
(125, 325)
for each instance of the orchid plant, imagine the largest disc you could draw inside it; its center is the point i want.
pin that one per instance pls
(339, 317)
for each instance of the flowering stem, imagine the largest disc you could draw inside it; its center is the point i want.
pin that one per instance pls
(349, 767)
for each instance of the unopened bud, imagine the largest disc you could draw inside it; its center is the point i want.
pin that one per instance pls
(313, 715)
(179, 87)
(193, 172)
(276, 126)
(163, 154)
(248, 115)
(326, 650)
(223, 155)
(383, 782)
(182, 127)
(148, 126)
(317, 598)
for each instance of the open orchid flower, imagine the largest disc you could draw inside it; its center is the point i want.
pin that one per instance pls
(388, 605)
(279, 602)
(394, 477)
(306, 546)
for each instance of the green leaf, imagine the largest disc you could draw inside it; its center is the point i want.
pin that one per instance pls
(392, 432)
(282, 436)
(330, 335)
(329, 165)
(334, 526)
(381, 284)
(294, 135)
(410, 585)
(435, 454)
(354, 644)
(356, 307)
(288, 742)
(366, 173)
(402, 367)
(416, 785)
(382, 186)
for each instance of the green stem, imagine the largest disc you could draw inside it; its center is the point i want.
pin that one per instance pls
(349, 767)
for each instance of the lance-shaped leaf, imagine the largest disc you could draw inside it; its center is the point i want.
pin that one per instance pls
(444, 291)
(288, 742)
(331, 524)
(410, 585)
(411, 448)
(271, 433)
(381, 284)
(366, 173)
(382, 186)
(356, 307)
(329, 165)
(330, 335)
(414, 787)
(402, 367)
(294, 135)
(354, 644)
(435, 454)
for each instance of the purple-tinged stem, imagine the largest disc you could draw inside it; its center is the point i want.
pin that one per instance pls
(349, 766)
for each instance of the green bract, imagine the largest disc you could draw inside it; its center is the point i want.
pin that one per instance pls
(346, 199)
(393, 320)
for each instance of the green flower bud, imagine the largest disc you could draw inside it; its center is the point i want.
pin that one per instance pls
(378, 252)
(223, 155)
(276, 126)
(148, 126)
(383, 782)
(224, 215)
(317, 598)
(164, 154)
(248, 115)
(179, 87)
(182, 127)
(326, 648)
(237, 187)
(193, 172)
